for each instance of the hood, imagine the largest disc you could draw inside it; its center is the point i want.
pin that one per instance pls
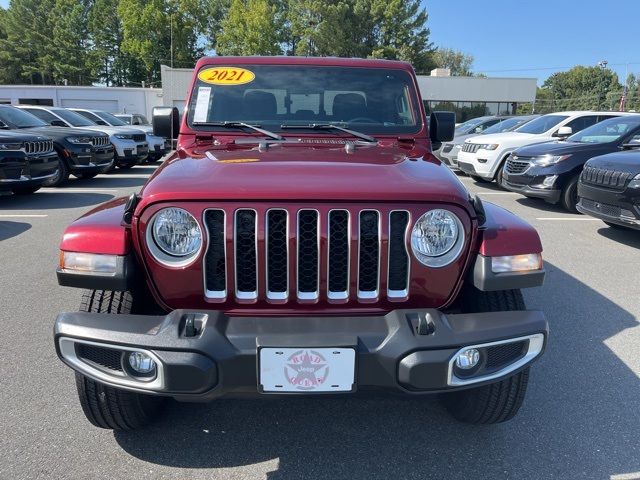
(460, 139)
(136, 128)
(19, 136)
(562, 148)
(299, 173)
(503, 138)
(113, 130)
(626, 161)
(58, 132)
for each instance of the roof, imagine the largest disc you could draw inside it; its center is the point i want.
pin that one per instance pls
(294, 60)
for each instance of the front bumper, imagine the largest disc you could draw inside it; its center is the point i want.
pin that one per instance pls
(521, 184)
(131, 153)
(221, 359)
(480, 164)
(621, 208)
(90, 160)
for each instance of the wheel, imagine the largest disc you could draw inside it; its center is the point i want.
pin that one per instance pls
(62, 175)
(25, 190)
(569, 196)
(85, 176)
(496, 402)
(478, 179)
(108, 407)
(499, 173)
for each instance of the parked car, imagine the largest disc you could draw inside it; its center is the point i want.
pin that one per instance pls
(135, 119)
(483, 158)
(158, 146)
(449, 151)
(551, 170)
(80, 152)
(609, 187)
(312, 254)
(131, 147)
(26, 162)
(478, 125)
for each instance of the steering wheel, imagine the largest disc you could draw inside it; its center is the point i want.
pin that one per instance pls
(363, 120)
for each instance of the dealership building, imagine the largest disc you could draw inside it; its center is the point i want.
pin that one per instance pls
(468, 96)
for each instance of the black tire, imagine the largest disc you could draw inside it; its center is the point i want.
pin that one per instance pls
(61, 177)
(496, 402)
(25, 190)
(108, 407)
(85, 176)
(569, 196)
(499, 173)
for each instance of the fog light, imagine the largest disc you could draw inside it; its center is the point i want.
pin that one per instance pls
(549, 181)
(468, 359)
(141, 363)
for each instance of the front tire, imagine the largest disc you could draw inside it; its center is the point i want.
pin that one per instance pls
(496, 402)
(61, 176)
(108, 407)
(569, 197)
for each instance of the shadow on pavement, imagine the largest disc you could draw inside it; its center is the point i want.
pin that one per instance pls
(12, 229)
(541, 205)
(579, 419)
(626, 236)
(53, 201)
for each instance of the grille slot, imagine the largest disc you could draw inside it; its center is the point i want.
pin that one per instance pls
(308, 258)
(277, 255)
(215, 258)
(398, 256)
(41, 146)
(471, 147)
(369, 254)
(246, 255)
(139, 137)
(109, 358)
(605, 178)
(338, 267)
(499, 356)
(100, 141)
(516, 166)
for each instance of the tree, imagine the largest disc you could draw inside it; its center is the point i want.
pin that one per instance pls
(583, 88)
(458, 63)
(251, 27)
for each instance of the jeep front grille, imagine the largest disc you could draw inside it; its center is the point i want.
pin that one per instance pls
(605, 178)
(139, 137)
(100, 141)
(471, 147)
(40, 146)
(305, 255)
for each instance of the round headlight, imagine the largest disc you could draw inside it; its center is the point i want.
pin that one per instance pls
(176, 233)
(437, 238)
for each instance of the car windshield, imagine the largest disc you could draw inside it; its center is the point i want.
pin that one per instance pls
(467, 126)
(608, 131)
(541, 124)
(110, 119)
(373, 100)
(505, 125)
(141, 119)
(16, 118)
(125, 119)
(73, 118)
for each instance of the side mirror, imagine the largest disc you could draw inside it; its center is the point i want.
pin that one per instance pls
(442, 126)
(564, 132)
(166, 122)
(58, 123)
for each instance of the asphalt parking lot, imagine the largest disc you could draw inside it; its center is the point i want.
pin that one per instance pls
(581, 417)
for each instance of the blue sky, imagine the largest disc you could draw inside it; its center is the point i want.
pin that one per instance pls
(535, 38)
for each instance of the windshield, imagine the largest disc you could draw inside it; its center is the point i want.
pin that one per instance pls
(467, 126)
(110, 119)
(364, 99)
(505, 125)
(541, 124)
(125, 119)
(16, 118)
(608, 131)
(73, 118)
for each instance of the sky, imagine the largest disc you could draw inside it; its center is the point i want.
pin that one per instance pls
(535, 38)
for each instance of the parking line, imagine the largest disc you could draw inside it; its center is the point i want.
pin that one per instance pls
(79, 190)
(24, 216)
(571, 219)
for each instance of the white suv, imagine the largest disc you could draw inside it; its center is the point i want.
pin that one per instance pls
(483, 157)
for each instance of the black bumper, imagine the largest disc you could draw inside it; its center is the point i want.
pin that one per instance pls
(18, 170)
(551, 195)
(222, 358)
(90, 160)
(619, 207)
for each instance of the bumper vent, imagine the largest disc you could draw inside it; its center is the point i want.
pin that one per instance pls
(501, 355)
(108, 358)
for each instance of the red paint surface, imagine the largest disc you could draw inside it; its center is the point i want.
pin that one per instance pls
(507, 234)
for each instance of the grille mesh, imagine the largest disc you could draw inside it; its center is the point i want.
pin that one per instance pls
(502, 355)
(516, 166)
(106, 357)
(398, 257)
(339, 251)
(277, 257)
(246, 265)
(369, 253)
(308, 251)
(216, 272)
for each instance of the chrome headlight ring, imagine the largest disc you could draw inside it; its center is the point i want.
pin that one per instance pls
(174, 237)
(437, 238)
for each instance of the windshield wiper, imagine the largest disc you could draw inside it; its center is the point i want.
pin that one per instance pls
(330, 126)
(255, 128)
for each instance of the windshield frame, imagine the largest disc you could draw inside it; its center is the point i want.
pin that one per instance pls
(413, 96)
(629, 119)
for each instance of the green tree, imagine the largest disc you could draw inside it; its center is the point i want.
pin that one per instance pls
(251, 27)
(583, 88)
(458, 63)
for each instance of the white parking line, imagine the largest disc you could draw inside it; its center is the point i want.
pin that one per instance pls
(24, 216)
(79, 190)
(570, 219)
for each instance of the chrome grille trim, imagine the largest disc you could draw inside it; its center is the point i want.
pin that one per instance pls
(272, 295)
(314, 295)
(40, 146)
(99, 141)
(220, 295)
(243, 294)
(342, 294)
(368, 294)
(404, 293)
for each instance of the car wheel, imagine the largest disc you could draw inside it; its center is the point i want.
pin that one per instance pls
(499, 401)
(108, 407)
(499, 174)
(569, 197)
(62, 175)
(25, 190)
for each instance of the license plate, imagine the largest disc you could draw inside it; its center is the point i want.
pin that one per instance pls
(307, 370)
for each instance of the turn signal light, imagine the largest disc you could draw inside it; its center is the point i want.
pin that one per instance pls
(88, 263)
(516, 263)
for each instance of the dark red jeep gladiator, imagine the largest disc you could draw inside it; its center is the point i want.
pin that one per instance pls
(302, 240)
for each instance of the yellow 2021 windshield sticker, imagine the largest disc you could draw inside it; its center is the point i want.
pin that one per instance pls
(226, 76)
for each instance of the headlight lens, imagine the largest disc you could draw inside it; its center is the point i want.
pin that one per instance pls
(177, 234)
(77, 140)
(437, 238)
(635, 182)
(123, 136)
(10, 146)
(547, 160)
(489, 146)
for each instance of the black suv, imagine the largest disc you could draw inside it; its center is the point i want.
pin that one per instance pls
(609, 187)
(83, 153)
(26, 162)
(551, 170)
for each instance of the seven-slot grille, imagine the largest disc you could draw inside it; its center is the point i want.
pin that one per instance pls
(40, 146)
(605, 178)
(299, 264)
(516, 166)
(139, 137)
(99, 141)
(471, 147)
